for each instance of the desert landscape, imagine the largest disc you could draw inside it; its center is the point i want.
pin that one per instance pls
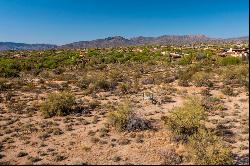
(154, 104)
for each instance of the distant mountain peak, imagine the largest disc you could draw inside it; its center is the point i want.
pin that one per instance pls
(115, 37)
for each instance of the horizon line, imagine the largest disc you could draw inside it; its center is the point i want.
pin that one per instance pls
(124, 38)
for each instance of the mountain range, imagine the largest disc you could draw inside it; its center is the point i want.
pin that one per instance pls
(23, 46)
(118, 41)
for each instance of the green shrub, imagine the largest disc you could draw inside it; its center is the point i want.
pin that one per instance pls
(6, 72)
(58, 104)
(185, 60)
(229, 60)
(236, 75)
(186, 74)
(202, 79)
(186, 120)
(119, 118)
(124, 118)
(9, 67)
(205, 148)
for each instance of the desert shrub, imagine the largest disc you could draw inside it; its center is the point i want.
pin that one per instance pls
(4, 84)
(46, 74)
(186, 120)
(59, 70)
(66, 77)
(185, 60)
(123, 88)
(22, 154)
(227, 90)
(171, 157)
(103, 84)
(207, 65)
(186, 74)
(162, 77)
(136, 85)
(137, 123)
(200, 57)
(236, 75)
(183, 83)
(16, 107)
(9, 67)
(100, 66)
(58, 104)
(94, 104)
(96, 82)
(124, 118)
(148, 80)
(212, 103)
(166, 99)
(116, 75)
(6, 72)
(202, 79)
(205, 92)
(29, 86)
(170, 79)
(83, 83)
(229, 60)
(119, 118)
(205, 148)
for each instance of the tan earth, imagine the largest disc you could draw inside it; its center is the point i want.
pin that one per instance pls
(81, 139)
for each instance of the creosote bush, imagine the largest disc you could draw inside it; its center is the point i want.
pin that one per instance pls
(119, 118)
(124, 118)
(202, 79)
(186, 120)
(58, 104)
(205, 148)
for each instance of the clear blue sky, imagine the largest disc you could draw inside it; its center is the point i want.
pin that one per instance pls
(65, 21)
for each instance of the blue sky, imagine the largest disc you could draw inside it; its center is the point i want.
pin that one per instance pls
(65, 21)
